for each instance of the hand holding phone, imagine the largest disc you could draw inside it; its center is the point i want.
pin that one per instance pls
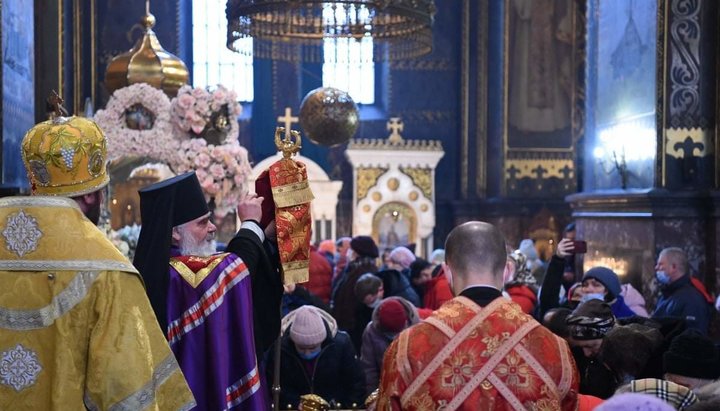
(579, 247)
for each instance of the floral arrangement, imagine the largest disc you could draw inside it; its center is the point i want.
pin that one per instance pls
(222, 170)
(125, 239)
(157, 141)
(197, 109)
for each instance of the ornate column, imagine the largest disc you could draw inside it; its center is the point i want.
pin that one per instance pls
(650, 159)
(394, 188)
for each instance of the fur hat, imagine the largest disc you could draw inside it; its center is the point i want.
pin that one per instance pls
(364, 246)
(627, 349)
(308, 328)
(392, 316)
(607, 277)
(591, 320)
(693, 355)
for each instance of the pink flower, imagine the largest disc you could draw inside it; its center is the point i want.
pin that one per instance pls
(219, 96)
(239, 179)
(217, 152)
(217, 171)
(199, 93)
(202, 160)
(198, 126)
(201, 174)
(185, 101)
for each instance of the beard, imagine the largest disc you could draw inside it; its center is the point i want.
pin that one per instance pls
(190, 246)
(93, 212)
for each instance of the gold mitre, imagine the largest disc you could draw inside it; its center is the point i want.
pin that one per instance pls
(313, 402)
(66, 157)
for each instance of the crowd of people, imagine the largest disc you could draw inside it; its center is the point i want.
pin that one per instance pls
(479, 325)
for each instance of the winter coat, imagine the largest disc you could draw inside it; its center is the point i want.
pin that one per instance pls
(634, 300)
(681, 299)
(397, 284)
(337, 375)
(374, 343)
(620, 309)
(343, 299)
(320, 283)
(437, 291)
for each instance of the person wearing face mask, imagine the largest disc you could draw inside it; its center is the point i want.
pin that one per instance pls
(603, 284)
(317, 358)
(679, 298)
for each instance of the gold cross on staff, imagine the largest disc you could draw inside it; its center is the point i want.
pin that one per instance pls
(395, 125)
(288, 120)
(56, 102)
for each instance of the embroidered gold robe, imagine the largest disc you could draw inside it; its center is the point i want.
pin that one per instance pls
(468, 357)
(76, 327)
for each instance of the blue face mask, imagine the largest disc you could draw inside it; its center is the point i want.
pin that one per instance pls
(309, 356)
(592, 296)
(662, 277)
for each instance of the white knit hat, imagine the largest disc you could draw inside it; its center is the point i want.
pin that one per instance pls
(308, 327)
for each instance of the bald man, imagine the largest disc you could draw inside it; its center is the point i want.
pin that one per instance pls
(478, 350)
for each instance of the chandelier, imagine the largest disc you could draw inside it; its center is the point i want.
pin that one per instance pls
(294, 29)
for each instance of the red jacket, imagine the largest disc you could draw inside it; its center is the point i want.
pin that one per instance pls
(437, 291)
(320, 283)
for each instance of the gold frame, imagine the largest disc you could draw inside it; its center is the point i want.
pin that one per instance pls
(405, 210)
(547, 157)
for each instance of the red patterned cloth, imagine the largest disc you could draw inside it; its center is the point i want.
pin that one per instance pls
(468, 357)
(291, 196)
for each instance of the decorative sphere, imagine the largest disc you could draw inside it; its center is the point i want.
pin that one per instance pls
(328, 116)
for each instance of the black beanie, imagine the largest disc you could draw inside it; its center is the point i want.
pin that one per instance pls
(364, 246)
(691, 354)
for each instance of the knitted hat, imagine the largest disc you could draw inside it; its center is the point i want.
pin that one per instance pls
(591, 320)
(392, 316)
(327, 246)
(607, 277)
(402, 256)
(364, 246)
(693, 355)
(631, 401)
(308, 328)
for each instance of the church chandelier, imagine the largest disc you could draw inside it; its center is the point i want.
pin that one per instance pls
(295, 30)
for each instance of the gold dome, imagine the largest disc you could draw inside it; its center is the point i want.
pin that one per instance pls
(149, 63)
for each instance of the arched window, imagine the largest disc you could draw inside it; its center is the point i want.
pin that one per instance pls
(348, 63)
(213, 62)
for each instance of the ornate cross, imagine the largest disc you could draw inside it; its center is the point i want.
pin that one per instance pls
(395, 125)
(288, 120)
(56, 102)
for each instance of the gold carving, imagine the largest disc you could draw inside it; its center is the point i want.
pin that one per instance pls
(376, 196)
(539, 168)
(384, 144)
(696, 140)
(421, 177)
(413, 195)
(366, 208)
(367, 178)
(393, 184)
(424, 208)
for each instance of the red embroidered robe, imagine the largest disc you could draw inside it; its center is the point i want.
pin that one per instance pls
(467, 357)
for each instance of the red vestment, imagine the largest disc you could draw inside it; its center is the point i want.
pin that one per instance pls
(469, 357)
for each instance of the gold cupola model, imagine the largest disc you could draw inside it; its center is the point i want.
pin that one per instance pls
(147, 62)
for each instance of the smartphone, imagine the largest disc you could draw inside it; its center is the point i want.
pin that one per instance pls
(579, 247)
